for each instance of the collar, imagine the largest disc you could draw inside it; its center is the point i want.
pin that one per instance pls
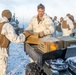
(44, 16)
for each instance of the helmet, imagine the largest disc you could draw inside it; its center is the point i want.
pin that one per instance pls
(6, 13)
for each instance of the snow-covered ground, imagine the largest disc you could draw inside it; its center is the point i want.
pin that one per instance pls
(17, 60)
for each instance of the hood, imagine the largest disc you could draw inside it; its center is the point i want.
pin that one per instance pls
(3, 19)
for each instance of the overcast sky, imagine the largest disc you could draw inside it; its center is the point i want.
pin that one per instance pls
(26, 9)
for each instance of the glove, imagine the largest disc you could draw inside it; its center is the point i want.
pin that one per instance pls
(41, 34)
(27, 33)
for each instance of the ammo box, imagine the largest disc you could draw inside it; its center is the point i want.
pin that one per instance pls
(49, 44)
(32, 39)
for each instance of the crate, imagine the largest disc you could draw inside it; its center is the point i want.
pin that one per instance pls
(32, 39)
(67, 41)
(49, 44)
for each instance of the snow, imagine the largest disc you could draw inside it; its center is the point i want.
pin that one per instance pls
(17, 60)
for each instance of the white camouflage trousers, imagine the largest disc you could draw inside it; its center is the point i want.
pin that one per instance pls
(3, 65)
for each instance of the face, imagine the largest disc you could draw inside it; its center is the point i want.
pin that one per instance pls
(40, 12)
(61, 19)
(55, 18)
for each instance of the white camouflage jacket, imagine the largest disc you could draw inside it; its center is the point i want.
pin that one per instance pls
(9, 32)
(67, 32)
(45, 25)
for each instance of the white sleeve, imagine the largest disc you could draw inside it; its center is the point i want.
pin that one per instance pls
(9, 32)
(49, 27)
